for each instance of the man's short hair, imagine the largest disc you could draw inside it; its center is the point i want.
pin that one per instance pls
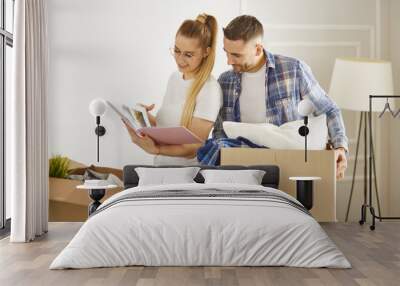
(244, 27)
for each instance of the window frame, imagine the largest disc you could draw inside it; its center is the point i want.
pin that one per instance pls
(6, 39)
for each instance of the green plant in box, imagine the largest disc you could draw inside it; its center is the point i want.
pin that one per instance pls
(59, 166)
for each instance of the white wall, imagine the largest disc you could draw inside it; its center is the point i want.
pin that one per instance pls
(116, 50)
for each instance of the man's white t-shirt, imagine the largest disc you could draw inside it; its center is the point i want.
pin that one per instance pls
(252, 98)
(208, 103)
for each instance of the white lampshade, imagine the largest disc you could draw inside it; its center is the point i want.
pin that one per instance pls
(305, 107)
(97, 107)
(354, 79)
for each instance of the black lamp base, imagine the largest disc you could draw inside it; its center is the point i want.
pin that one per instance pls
(100, 130)
(304, 131)
(96, 195)
(305, 193)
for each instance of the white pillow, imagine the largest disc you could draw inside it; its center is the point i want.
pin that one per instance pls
(248, 177)
(164, 176)
(285, 136)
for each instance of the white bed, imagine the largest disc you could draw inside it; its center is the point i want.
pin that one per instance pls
(185, 230)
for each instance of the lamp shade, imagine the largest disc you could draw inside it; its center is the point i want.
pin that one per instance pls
(97, 107)
(354, 79)
(305, 107)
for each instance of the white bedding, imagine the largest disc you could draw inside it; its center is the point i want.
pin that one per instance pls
(200, 231)
(285, 136)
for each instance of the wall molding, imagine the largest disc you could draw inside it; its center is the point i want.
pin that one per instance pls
(374, 31)
(322, 44)
(378, 8)
(242, 7)
(331, 27)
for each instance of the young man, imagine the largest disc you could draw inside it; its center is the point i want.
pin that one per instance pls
(263, 87)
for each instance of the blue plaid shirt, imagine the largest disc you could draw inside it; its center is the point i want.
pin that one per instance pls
(288, 80)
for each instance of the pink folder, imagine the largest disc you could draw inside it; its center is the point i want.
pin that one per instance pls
(171, 135)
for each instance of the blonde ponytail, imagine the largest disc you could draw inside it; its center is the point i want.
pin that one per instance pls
(205, 29)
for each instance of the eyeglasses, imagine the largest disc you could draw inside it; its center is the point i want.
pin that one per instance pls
(187, 56)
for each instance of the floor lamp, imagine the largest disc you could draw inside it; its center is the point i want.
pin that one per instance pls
(353, 80)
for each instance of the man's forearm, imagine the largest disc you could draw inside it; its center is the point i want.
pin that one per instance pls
(337, 130)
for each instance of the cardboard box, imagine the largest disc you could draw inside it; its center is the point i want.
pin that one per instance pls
(67, 203)
(291, 163)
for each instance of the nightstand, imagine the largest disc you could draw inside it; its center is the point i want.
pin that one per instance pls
(96, 193)
(304, 190)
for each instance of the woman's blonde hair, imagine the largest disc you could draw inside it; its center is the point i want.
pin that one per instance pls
(204, 28)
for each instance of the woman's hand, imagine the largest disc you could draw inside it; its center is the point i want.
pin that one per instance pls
(147, 107)
(145, 142)
(151, 117)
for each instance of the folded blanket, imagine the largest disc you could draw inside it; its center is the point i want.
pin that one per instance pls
(209, 154)
(285, 136)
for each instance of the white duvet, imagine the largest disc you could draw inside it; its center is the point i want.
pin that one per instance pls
(200, 231)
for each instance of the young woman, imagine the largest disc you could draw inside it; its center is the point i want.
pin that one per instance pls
(193, 97)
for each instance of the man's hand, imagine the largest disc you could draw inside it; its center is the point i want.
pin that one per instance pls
(145, 142)
(341, 162)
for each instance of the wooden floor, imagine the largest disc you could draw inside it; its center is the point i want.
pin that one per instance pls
(375, 257)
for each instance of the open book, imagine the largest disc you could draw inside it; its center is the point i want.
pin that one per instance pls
(136, 117)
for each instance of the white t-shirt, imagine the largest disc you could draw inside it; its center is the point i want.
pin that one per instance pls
(252, 98)
(208, 103)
